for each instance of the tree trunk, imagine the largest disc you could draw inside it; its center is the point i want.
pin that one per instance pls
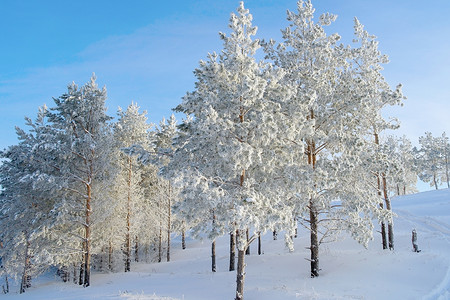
(240, 275)
(136, 249)
(435, 182)
(80, 277)
(128, 234)
(232, 251)
(110, 256)
(183, 239)
(388, 207)
(313, 213)
(24, 284)
(247, 251)
(169, 212)
(383, 225)
(160, 242)
(314, 248)
(213, 256)
(259, 243)
(383, 235)
(87, 254)
(160, 232)
(275, 235)
(74, 273)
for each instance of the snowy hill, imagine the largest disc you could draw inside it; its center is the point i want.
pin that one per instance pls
(348, 270)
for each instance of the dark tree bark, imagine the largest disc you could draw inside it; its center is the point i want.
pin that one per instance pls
(232, 252)
(110, 256)
(259, 244)
(275, 235)
(213, 256)
(313, 212)
(247, 251)
(383, 225)
(183, 239)
(136, 249)
(314, 247)
(388, 207)
(80, 278)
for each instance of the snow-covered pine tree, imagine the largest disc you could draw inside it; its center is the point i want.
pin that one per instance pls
(26, 209)
(131, 129)
(429, 159)
(84, 141)
(325, 78)
(166, 135)
(402, 178)
(377, 94)
(228, 159)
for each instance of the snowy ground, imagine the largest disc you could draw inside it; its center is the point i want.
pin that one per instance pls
(348, 270)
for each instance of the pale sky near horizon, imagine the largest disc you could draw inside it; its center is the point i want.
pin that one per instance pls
(146, 51)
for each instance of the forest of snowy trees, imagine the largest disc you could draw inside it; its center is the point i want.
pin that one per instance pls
(295, 139)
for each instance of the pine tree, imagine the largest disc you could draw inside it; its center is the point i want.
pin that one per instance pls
(430, 159)
(84, 141)
(228, 158)
(338, 88)
(27, 207)
(131, 129)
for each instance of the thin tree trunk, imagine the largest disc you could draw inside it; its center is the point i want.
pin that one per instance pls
(435, 182)
(128, 234)
(275, 235)
(383, 225)
(24, 284)
(313, 214)
(110, 256)
(87, 255)
(183, 239)
(213, 245)
(388, 207)
(136, 249)
(314, 247)
(247, 251)
(74, 273)
(240, 274)
(213, 256)
(259, 243)
(80, 278)
(169, 212)
(160, 242)
(232, 251)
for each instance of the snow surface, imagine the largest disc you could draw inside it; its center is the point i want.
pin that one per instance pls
(348, 270)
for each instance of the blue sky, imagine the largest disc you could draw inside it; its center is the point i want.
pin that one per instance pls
(145, 51)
